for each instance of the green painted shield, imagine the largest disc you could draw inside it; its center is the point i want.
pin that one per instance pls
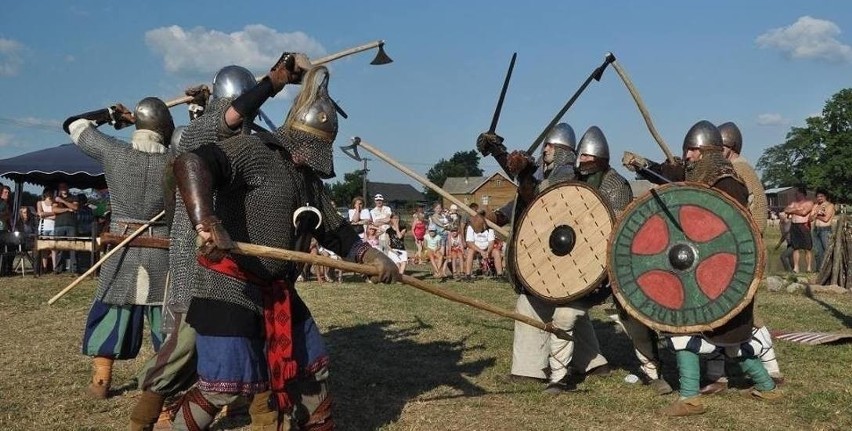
(685, 258)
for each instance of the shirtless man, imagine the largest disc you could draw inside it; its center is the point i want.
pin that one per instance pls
(821, 216)
(800, 232)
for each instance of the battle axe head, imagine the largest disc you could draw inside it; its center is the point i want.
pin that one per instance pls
(352, 150)
(381, 56)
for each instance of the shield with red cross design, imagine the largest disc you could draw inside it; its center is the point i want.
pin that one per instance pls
(558, 248)
(685, 258)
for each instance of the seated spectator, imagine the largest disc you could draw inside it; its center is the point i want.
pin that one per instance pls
(481, 243)
(396, 237)
(372, 236)
(455, 251)
(435, 251)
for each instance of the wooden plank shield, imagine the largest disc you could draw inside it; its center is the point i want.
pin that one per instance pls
(559, 243)
(685, 258)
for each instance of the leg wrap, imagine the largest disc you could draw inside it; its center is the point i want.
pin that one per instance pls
(320, 419)
(101, 377)
(198, 409)
(146, 412)
(754, 368)
(263, 418)
(689, 369)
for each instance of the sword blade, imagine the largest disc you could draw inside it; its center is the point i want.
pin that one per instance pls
(595, 75)
(499, 107)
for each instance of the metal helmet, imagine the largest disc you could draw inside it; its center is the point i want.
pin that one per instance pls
(731, 136)
(176, 135)
(152, 114)
(311, 125)
(702, 135)
(593, 143)
(232, 81)
(562, 134)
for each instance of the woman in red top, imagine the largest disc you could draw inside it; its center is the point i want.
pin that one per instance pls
(418, 230)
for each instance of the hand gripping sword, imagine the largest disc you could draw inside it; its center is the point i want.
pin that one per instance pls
(380, 58)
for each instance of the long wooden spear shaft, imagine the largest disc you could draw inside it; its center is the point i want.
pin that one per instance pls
(323, 60)
(282, 254)
(357, 142)
(98, 264)
(643, 110)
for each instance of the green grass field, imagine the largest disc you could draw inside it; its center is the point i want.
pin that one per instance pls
(406, 360)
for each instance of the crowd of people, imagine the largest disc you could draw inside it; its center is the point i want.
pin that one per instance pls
(445, 240)
(58, 213)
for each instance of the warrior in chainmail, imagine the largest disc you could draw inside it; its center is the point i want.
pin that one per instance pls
(533, 351)
(703, 162)
(132, 281)
(254, 333)
(172, 369)
(732, 144)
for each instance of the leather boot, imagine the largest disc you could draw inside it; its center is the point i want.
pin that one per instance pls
(263, 418)
(146, 412)
(101, 377)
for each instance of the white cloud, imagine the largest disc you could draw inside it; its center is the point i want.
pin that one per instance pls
(10, 57)
(808, 38)
(6, 140)
(38, 123)
(203, 51)
(771, 119)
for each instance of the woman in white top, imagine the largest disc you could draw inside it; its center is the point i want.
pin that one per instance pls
(359, 217)
(44, 209)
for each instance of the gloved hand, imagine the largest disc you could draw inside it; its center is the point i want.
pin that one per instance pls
(633, 162)
(199, 93)
(215, 239)
(289, 69)
(490, 143)
(121, 116)
(518, 162)
(388, 271)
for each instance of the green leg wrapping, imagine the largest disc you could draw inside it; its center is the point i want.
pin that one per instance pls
(689, 369)
(754, 368)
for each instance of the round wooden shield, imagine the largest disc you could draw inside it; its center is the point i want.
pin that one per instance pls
(559, 242)
(685, 258)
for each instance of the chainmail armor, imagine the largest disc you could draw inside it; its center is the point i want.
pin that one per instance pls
(757, 203)
(255, 206)
(615, 190)
(316, 151)
(135, 275)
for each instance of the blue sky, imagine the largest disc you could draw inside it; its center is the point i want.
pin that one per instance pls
(765, 65)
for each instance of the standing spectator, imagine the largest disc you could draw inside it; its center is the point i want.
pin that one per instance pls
(396, 251)
(26, 223)
(455, 251)
(47, 219)
(418, 231)
(481, 242)
(821, 216)
(65, 206)
(787, 255)
(435, 251)
(5, 208)
(800, 232)
(380, 213)
(359, 217)
(85, 216)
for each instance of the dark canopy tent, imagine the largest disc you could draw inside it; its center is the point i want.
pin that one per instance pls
(65, 163)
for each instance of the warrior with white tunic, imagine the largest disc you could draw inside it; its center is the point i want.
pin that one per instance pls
(534, 353)
(254, 333)
(131, 282)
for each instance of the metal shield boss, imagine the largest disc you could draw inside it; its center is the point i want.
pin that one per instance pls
(685, 258)
(560, 241)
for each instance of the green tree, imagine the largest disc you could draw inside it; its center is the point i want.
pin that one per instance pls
(344, 191)
(461, 164)
(818, 155)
